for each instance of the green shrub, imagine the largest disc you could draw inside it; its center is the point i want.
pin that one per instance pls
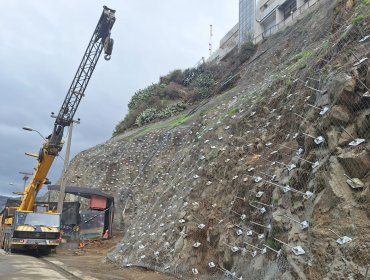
(191, 74)
(246, 51)
(300, 60)
(127, 122)
(146, 116)
(167, 98)
(176, 76)
(141, 95)
(358, 20)
(366, 2)
(289, 83)
(171, 110)
(203, 84)
(151, 114)
(233, 111)
(272, 243)
(168, 93)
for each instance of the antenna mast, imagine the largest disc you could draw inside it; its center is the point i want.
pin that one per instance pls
(210, 39)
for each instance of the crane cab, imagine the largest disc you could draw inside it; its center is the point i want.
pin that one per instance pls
(35, 230)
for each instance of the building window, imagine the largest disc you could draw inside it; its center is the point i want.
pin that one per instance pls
(288, 8)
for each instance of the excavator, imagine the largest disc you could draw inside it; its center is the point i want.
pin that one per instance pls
(30, 225)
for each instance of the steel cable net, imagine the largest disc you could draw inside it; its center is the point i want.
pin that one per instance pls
(276, 187)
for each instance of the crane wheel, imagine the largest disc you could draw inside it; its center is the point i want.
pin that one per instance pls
(6, 244)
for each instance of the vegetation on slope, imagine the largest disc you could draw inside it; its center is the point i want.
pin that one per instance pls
(180, 89)
(162, 100)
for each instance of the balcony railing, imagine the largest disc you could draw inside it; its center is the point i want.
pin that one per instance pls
(275, 28)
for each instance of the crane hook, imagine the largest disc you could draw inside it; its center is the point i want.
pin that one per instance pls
(108, 47)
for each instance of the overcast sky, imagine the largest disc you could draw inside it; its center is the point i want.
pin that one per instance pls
(42, 43)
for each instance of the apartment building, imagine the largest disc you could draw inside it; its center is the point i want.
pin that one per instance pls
(259, 19)
(263, 17)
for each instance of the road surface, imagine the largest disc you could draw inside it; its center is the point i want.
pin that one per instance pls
(69, 266)
(18, 267)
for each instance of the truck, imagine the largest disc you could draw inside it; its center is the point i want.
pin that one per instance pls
(28, 225)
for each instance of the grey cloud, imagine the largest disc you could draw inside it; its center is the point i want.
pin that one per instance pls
(43, 43)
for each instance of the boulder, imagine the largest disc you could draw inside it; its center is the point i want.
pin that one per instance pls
(339, 115)
(179, 245)
(297, 207)
(309, 143)
(332, 138)
(335, 191)
(356, 165)
(364, 196)
(363, 124)
(277, 218)
(341, 89)
(323, 100)
(286, 201)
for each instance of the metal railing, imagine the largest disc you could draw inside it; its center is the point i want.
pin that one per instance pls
(275, 28)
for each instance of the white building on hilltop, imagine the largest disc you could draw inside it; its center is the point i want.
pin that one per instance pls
(259, 19)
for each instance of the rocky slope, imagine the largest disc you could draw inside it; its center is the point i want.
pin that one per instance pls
(203, 194)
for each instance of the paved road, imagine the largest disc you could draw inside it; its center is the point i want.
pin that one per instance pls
(19, 267)
(70, 267)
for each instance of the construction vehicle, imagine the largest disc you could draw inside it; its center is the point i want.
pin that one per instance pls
(31, 225)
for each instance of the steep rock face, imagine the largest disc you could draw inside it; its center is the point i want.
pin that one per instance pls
(226, 189)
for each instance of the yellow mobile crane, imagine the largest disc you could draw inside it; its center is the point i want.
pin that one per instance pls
(31, 226)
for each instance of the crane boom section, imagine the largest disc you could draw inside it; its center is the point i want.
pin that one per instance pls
(100, 40)
(86, 68)
(44, 163)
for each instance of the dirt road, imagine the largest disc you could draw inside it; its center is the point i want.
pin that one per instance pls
(91, 263)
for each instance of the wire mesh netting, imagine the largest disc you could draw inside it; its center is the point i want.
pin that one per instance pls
(269, 183)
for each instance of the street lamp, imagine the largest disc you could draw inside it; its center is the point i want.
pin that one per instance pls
(14, 185)
(31, 129)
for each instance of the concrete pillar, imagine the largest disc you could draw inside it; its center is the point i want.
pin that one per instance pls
(279, 16)
(258, 28)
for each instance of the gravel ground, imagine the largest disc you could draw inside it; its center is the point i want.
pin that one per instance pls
(91, 264)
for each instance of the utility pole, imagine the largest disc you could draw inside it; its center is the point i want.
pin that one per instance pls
(26, 176)
(63, 180)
